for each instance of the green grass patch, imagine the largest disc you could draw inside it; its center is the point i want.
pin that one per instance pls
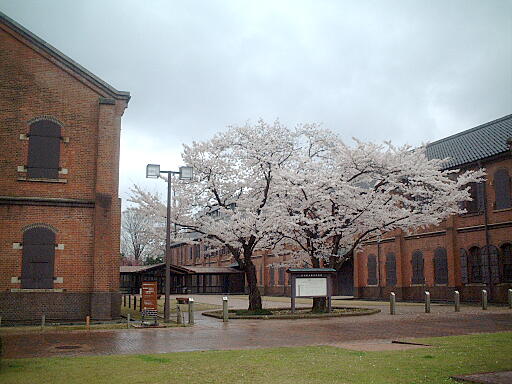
(449, 356)
(257, 312)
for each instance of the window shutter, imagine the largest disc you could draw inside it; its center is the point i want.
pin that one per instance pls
(281, 275)
(480, 197)
(391, 270)
(486, 278)
(472, 205)
(372, 270)
(463, 266)
(44, 150)
(502, 189)
(506, 263)
(494, 264)
(440, 266)
(417, 268)
(38, 258)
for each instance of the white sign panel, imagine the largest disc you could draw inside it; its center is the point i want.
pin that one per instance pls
(311, 286)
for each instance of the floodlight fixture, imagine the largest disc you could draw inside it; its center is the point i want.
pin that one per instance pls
(153, 171)
(186, 173)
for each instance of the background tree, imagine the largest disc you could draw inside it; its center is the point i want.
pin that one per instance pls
(142, 235)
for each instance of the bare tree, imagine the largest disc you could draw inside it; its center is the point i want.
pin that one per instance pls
(137, 240)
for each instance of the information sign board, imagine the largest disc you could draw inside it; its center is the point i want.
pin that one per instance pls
(311, 286)
(149, 296)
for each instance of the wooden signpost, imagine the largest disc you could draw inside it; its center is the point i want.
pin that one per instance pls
(311, 282)
(149, 300)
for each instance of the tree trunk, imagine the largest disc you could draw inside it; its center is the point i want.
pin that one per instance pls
(319, 305)
(254, 293)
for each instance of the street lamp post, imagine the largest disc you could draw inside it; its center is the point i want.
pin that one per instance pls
(185, 173)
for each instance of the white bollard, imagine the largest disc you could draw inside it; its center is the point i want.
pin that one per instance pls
(456, 295)
(191, 311)
(427, 302)
(43, 321)
(392, 303)
(510, 298)
(484, 299)
(128, 321)
(225, 317)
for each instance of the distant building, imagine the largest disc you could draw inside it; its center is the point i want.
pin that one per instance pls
(467, 253)
(59, 165)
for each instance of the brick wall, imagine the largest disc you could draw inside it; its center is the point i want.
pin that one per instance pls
(454, 233)
(83, 205)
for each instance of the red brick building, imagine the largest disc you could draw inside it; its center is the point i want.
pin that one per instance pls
(467, 253)
(59, 164)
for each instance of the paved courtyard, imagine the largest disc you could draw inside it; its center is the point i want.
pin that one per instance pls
(213, 334)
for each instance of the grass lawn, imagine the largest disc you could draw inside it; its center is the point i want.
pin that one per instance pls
(448, 356)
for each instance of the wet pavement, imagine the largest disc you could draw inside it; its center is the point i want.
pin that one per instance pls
(213, 334)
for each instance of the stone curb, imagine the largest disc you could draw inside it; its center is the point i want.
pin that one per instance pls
(365, 311)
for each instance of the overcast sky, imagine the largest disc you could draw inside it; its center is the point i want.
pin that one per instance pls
(405, 71)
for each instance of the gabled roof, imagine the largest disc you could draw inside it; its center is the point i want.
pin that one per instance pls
(475, 144)
(62, 58)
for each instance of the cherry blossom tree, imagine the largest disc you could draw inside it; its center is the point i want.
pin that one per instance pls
(339, 196)
(230, 200)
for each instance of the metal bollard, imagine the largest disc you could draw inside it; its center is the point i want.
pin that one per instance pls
(427, 302)
(179, 318)
(509, 300)
(484, 299)
(392, 303)
(456, 295)
(124, 300)
(0, 321)
(225, 317)
(43, 321)
(134, 303)
(191, 311)
(88, 322)
(129, 301)
(140, 304)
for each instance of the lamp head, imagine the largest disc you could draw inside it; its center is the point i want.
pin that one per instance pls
(186, 173)
(153, 171)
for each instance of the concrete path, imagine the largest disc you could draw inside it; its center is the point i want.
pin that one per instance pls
(213, 334)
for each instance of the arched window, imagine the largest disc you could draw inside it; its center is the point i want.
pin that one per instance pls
(463, 266)
(417, 268)
(476, 192)
(372, 270)
(505, 263)
(502, 189)
(475, 265)
(272, 279)
(44, 150)
(38, 258)
(440, 266)
(390, 270)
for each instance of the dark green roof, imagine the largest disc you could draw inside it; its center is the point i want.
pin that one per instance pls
(475, 144)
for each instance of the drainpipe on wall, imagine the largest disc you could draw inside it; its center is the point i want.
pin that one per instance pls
(486, 231)
(378, 267)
